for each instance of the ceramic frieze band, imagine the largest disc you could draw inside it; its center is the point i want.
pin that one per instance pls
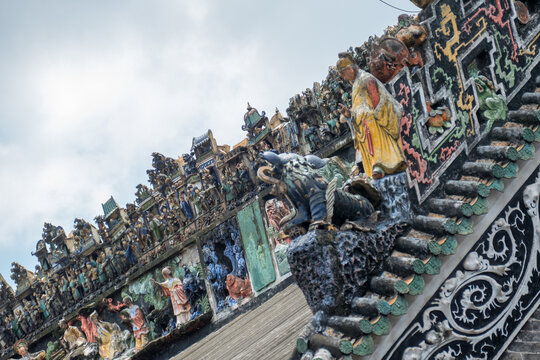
(489, 295)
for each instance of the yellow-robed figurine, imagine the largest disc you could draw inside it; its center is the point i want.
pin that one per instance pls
(375, 119)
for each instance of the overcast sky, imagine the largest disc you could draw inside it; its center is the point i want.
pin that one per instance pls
(89, 89)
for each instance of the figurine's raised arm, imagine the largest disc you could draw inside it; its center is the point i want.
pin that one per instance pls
(173, 287)
(162, 286)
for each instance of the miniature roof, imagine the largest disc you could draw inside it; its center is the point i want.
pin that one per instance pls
(109, 206)
(41, 248)
(252, 118)
(197, 141)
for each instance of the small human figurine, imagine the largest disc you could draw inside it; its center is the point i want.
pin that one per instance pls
(43, 304)
(275, 211)
(55, 304)
(186, 208)
(94, 276)
(138, 323)
(20, 322)
(155, 227)
(142, 233)
(98, 266)
(229, 190)
(104, 263)
(375, 119)
(27, 311)
(131, 258)
(196, 200)
(102, 230)
(65, 290)
(118, 261)
(83, 283)
(237, 287)
(173, 287)
(305, 130)
(73, 337)
(108, 337)
(208, 180)
(89, 327)
(21, 348)
(77, 244)
(243, 176)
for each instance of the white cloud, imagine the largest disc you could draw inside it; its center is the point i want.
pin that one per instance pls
(92, 90)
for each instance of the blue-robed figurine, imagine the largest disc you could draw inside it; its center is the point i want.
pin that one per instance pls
(130, 255)
(186, 208)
